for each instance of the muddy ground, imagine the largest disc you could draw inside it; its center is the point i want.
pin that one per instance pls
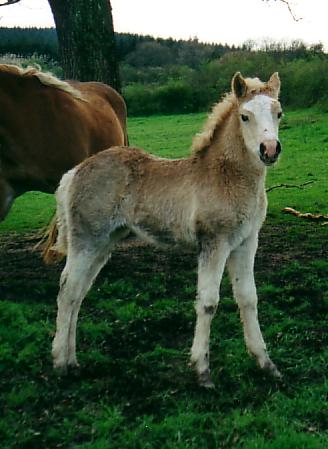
(22, 270)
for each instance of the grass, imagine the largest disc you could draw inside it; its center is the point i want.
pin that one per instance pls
(135, 389)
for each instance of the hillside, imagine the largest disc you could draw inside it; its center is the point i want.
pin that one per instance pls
(165, 76)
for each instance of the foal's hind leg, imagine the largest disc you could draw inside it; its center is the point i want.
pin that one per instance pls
(241, 270)
(211, 264)
(77, 277)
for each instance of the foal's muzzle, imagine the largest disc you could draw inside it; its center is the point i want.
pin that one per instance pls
(269, 151)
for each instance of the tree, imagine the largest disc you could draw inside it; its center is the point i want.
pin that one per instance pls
(150, 54)
(86, 39)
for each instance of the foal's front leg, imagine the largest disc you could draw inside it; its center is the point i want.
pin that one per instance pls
(211, 264)
(241, 270)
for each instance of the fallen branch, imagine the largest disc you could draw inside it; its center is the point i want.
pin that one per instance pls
(307, 215)
(289, 186)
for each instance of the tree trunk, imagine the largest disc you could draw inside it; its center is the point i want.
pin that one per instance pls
(86, 40)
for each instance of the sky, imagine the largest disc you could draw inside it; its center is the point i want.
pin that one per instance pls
(219, 21)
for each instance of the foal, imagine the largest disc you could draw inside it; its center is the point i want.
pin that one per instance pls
(215, 200)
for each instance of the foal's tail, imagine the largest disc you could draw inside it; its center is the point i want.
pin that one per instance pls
(55, 248)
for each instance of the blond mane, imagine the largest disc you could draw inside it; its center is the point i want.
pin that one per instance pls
(221, 110)
(46, 78)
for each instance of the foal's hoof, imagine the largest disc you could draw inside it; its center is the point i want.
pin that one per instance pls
(74, 370)
(60, 370)
(204, 380)
(271, 368)
(65, 370)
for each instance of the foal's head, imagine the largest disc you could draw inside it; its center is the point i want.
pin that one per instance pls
(259, 114)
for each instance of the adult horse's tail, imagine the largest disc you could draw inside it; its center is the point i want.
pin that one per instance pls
(49, 255)
(55, 248)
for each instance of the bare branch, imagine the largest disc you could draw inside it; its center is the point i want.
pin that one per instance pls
(8, 2)
(286, 2)
(291, 11)
(289, 186)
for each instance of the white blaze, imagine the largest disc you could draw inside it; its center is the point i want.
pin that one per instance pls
(262, 121)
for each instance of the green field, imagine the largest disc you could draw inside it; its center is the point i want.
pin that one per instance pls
(135, 389)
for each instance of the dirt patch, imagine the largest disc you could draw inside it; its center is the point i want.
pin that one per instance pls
(22, 269)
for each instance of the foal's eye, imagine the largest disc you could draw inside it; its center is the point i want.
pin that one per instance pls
(279, 114)
(244, 118)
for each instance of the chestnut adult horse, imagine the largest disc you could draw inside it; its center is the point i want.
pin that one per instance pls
(47, 126)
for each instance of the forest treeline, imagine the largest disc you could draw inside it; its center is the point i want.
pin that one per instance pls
(161, 76)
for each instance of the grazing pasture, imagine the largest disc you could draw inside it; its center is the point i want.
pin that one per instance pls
(134, 389)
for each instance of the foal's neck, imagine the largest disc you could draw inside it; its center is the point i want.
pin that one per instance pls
(228, 157)
(228, 144)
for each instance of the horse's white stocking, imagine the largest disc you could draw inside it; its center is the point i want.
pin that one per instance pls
(241, 270)
(211, 264)
(77, 277)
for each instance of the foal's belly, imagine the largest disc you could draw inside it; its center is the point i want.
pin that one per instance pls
(164, 236)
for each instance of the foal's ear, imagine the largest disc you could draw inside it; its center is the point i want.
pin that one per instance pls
(274, 84)
(238, 85)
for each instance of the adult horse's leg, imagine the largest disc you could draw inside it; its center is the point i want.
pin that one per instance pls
(76, 279)
(241, 270)
(211, 264)
(7, 196)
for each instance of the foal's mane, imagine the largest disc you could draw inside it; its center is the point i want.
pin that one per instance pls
(221, 111)
(46, 78)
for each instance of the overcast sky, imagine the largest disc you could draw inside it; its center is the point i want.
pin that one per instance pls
(225, 21)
